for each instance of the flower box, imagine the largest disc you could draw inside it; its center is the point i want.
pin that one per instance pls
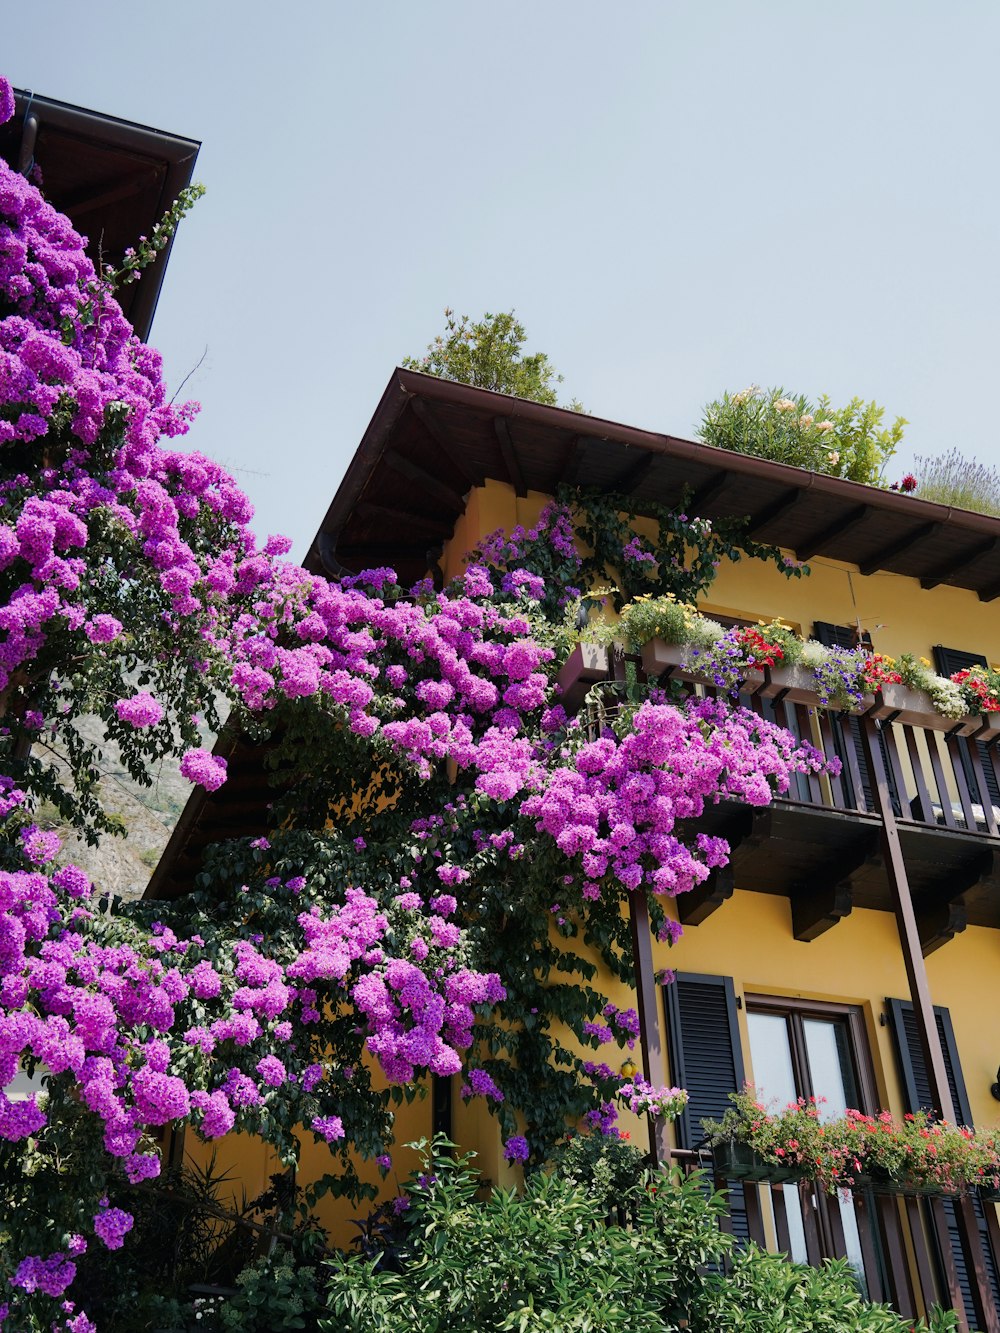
(738, 1161)
(989, 727)
(660, 658)
(914, 708)
(586, 664)
(797, 684)
(879, 1181)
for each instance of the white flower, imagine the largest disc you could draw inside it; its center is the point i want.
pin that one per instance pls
(833, 458)
(805, 420)
(784, 405)
(824, 426)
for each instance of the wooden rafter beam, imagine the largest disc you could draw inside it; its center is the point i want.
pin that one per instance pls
(708, 491)
(427, 482)
(943, 572)
(509, 455)
(940, 924)
(85, 203)
(425, 523)
(634, 475)
(817, 911)
(698, 904)
(819, 905)
(815, 543)
(433, 427)
(898, 547)
(774, 510)
(575, 454)
(990, 592)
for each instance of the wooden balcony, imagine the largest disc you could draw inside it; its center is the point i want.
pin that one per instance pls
(820, 844)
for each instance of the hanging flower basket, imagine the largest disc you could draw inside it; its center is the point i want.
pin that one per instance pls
(586, 664)
(738, 1161)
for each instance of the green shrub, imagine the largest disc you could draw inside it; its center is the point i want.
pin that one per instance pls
(763, 1293)
(607, 1167)
(543, 1260)
(847, 442)
(548, 1259)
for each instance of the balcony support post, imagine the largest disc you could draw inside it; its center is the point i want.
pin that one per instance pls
(923, 1010)
(647, 1003)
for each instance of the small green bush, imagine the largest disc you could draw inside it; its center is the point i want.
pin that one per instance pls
(847, 442)
(609, 1168)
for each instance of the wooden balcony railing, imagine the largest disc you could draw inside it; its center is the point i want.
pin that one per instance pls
(898, 1244)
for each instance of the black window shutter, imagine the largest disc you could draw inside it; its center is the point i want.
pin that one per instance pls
(845, 636)
(946, 662)
(917, 1092)
(706, 1059)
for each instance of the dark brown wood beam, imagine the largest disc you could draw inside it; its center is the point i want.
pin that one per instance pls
(942, 573)
(991, 591)
(84, 203)
(575, 454)
(708, 491)
(816, 911)
(648, 1005)
(773, 510)
(427, 482)
(902, 544)
(634, 475)
(425, 523)
(455, 455)
(814, 544)
(371, 553)
(940, 924)
(697, 905)
(509, 453)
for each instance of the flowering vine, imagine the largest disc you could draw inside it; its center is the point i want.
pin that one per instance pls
(431, 792)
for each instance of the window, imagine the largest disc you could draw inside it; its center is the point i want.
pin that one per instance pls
(816, 1051)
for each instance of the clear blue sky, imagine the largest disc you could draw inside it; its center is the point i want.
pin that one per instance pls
(677, 199)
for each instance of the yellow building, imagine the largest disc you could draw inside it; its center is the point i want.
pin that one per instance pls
(848, 950)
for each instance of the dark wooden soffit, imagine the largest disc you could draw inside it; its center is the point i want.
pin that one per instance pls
(113, 179)
(431, 439)
(239, 809)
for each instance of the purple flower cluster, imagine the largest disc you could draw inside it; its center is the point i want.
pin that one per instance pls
(516, 1149)
(613, 805)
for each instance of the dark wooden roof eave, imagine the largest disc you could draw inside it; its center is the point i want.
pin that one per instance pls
(430, 439)
(113, 178)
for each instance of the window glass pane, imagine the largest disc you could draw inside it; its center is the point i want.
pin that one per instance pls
(774, 1081)
(828, 1050)
(771, 1056)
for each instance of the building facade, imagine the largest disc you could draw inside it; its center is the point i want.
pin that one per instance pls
(847, 950)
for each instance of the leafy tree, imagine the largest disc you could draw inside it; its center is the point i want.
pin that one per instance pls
(488, 353)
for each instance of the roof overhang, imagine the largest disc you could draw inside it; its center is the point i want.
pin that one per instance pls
(113, 179)
(431, 440)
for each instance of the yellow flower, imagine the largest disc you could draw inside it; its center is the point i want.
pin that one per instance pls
(925, 661)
